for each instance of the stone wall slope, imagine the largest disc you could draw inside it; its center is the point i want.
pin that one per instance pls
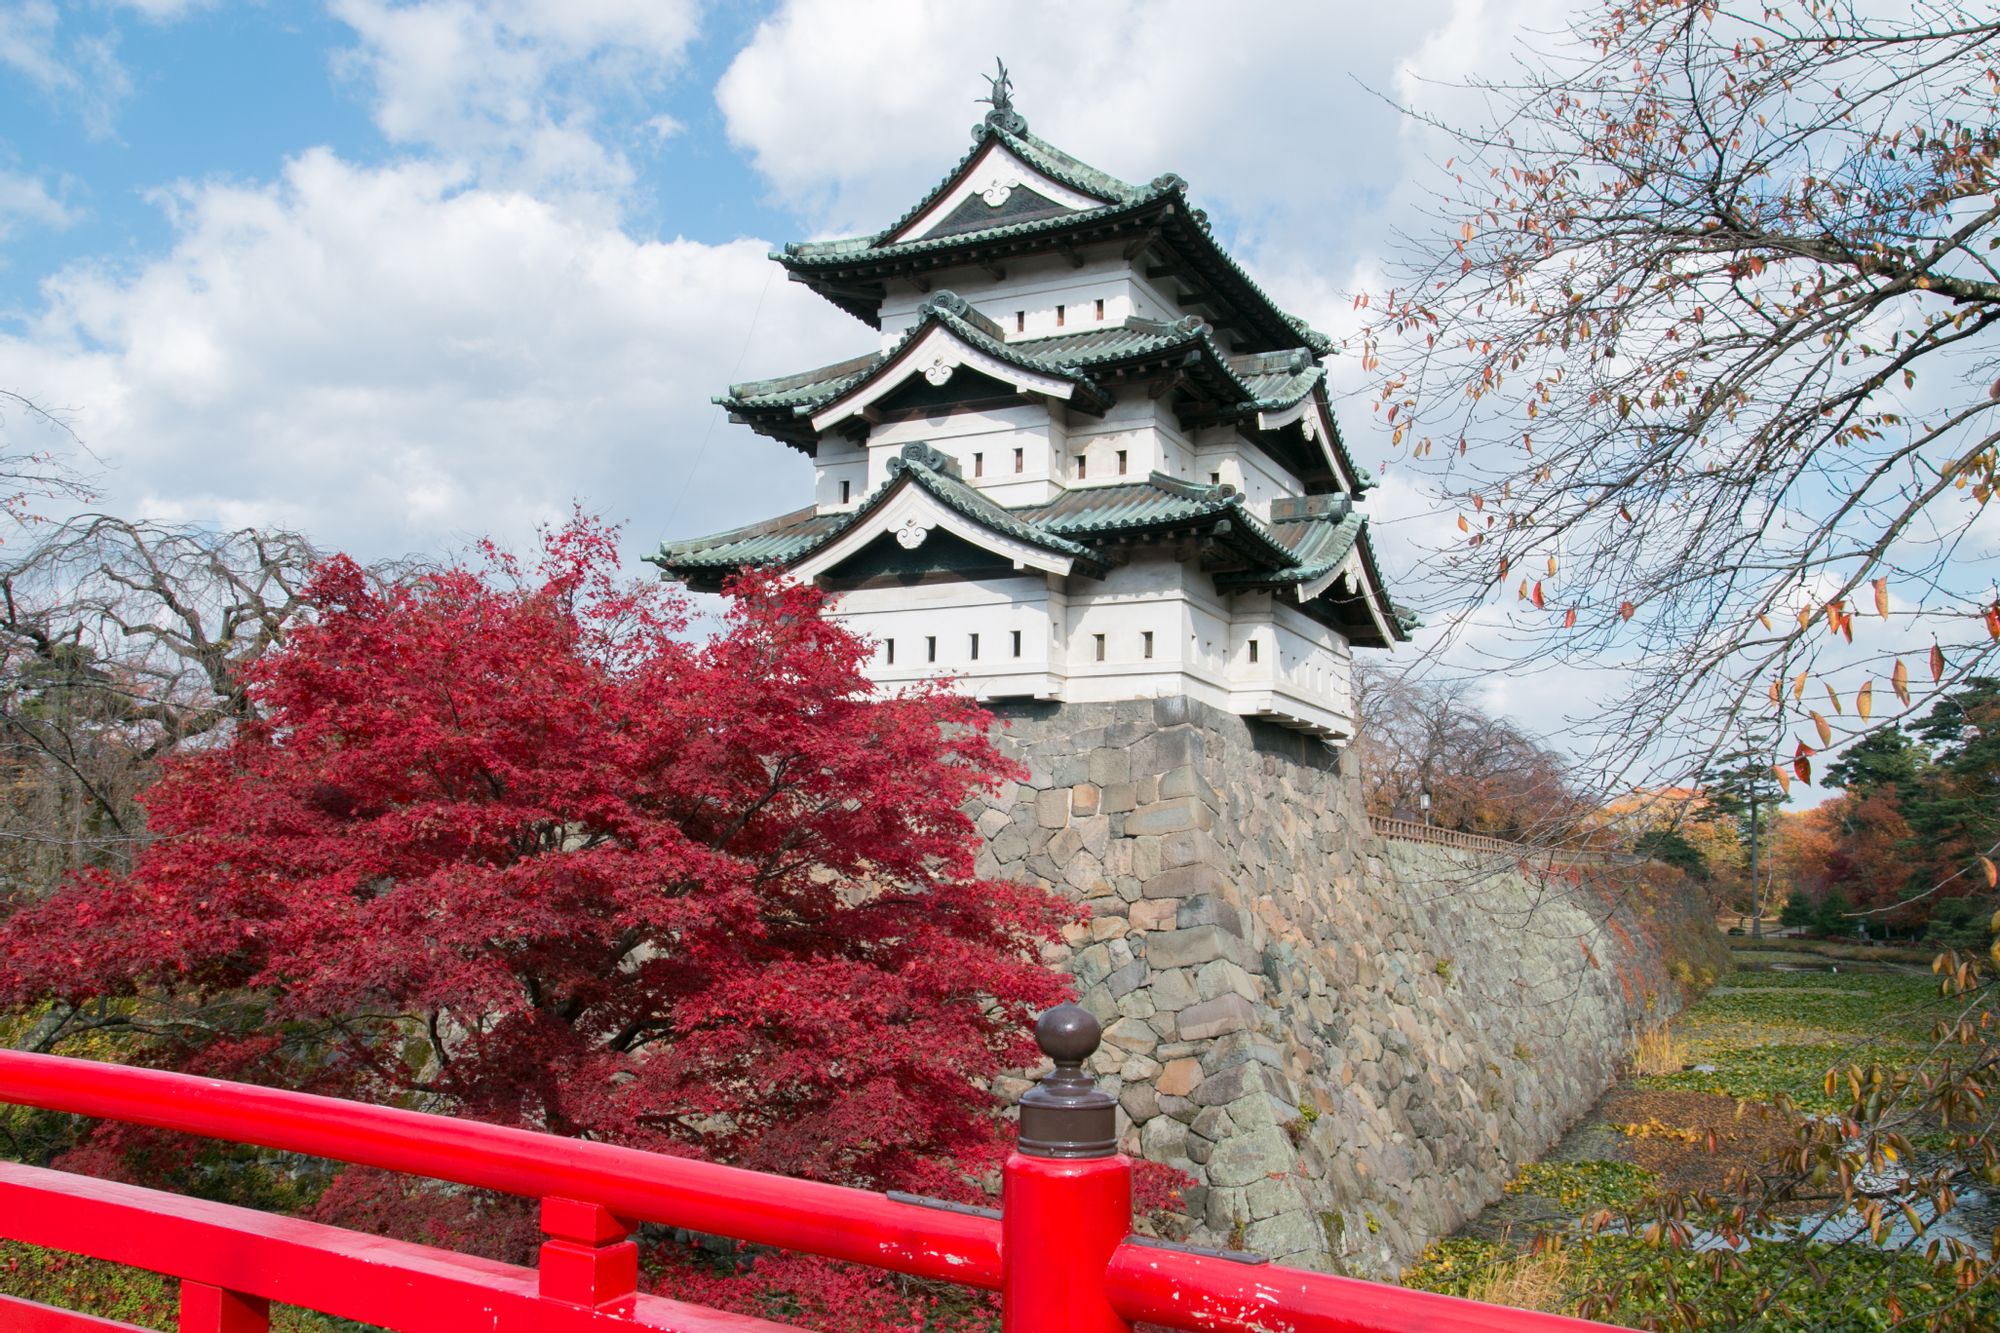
(1350, 1043)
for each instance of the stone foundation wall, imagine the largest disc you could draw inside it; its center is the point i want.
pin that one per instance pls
(1350, 1044)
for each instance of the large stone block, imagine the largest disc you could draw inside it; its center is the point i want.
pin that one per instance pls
(1209, 909)
(1187, 948)
(1052, 808)
(1252, 1156)
(1181, 814)
(1213, 1018)
(1179, 1077)
(1186, 882)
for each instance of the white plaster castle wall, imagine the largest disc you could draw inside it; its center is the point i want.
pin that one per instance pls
(994, 434)
(1200, 639)
(1024, 302)
(1199, 644)
(912, 615)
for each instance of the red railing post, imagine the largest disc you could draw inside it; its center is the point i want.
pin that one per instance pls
(587, 1259)
(206, 1309)
(1066, 1192)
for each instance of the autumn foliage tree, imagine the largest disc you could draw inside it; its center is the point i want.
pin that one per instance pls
(1703, 356)
(504, 842)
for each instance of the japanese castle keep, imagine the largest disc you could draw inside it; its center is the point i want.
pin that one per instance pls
(1089, 461)
(1090, 471)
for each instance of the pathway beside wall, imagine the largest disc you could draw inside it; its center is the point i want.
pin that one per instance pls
(1350, 1042)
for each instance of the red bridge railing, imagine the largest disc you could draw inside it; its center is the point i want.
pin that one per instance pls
(1059, 1251)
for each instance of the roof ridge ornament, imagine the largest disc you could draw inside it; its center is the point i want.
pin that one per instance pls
(1002, 117)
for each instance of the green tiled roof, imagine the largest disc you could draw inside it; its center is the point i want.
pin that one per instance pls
(1316, 534)
(1161, 202)
(1069, 356)
(795, 536)
(1043, 157)
(776, 541)
(1305, 540)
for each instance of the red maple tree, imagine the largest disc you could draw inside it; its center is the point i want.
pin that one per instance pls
(506, 842)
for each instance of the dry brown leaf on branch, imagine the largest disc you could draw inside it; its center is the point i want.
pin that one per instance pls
(1864, 699)
(1825, 731)
(1899, 680)
(1882, 598)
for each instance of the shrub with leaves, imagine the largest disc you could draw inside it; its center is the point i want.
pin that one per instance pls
(505, 843)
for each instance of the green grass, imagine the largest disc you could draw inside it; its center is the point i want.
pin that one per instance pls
(1779, 1032)
(112, 1291)
(1789, 1287)
(1583, 1186)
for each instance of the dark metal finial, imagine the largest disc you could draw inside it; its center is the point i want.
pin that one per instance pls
(1065, 1114)
(1000, 97)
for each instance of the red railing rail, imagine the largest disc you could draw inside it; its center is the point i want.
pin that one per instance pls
(1060, 1252)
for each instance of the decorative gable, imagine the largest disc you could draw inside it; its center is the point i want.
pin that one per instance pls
(995, 188)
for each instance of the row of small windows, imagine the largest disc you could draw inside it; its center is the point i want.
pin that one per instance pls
(1099, 642)
(930, 647)
(1062, 316)
(979, 463)
(1124, 459)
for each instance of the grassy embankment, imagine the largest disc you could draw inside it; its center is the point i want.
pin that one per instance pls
(1674, 1128)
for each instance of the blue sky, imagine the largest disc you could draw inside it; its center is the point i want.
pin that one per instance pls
(231, 91)
(405, 273)
(402, 273)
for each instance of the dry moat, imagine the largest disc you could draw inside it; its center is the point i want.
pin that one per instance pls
(1773, 1026)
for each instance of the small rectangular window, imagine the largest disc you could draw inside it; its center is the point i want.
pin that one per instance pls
(1100, 646)
(979, 465)
(1020, 463)
(845, 490)
(1121, 462)
(1020, 321)
(1082, 467)
(975, 649)
(1017, 643)
(1215, 478)
(1059, 316)
(1146, 642)
(930, 647)
(1100, 307)
(1253, 650)
(889, 646)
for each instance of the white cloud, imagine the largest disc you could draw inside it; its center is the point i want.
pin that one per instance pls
(392, 361)
(25, 199)
(515, 87)
(165, 11)
(79, 72)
